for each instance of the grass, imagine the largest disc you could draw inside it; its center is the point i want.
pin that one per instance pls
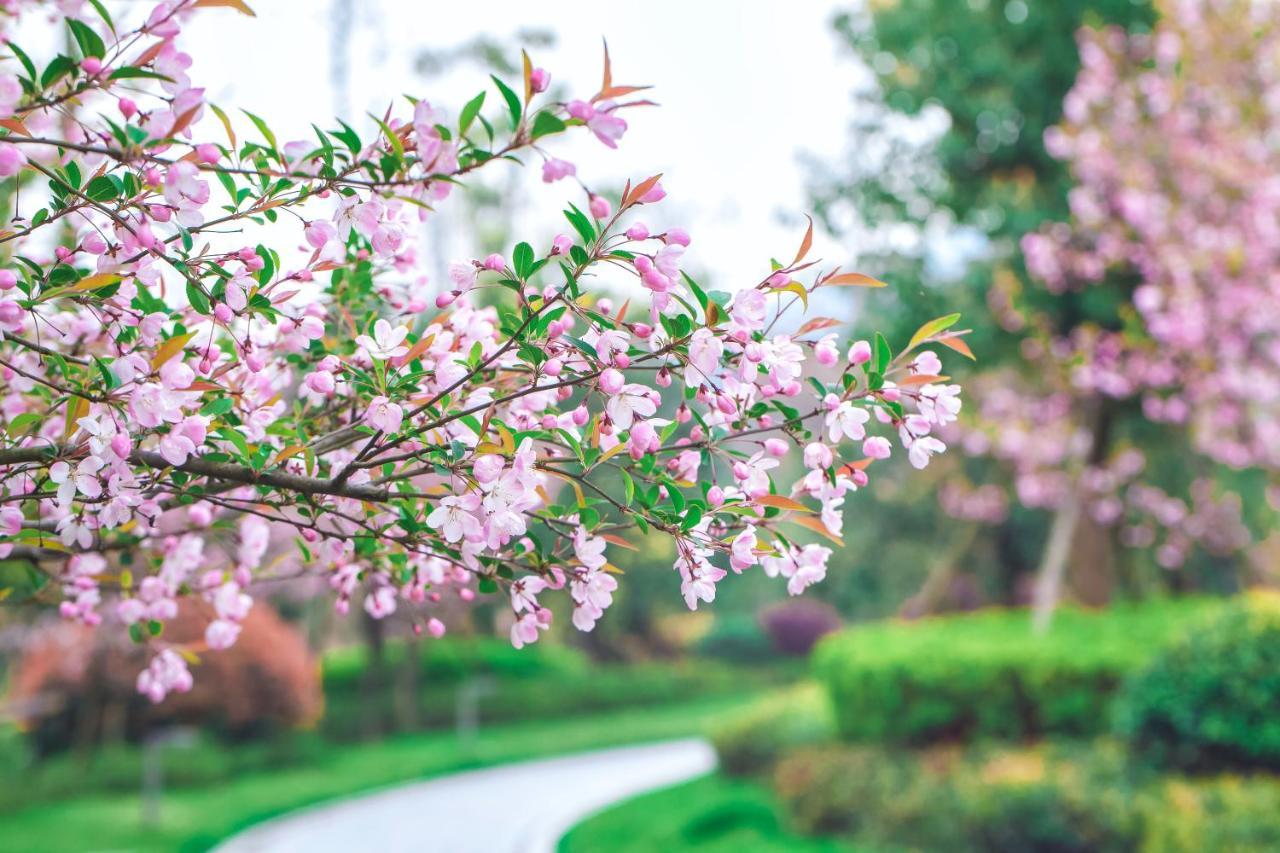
(197, 818)
(714, 814)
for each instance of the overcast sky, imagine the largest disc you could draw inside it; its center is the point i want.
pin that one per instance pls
(743, 87)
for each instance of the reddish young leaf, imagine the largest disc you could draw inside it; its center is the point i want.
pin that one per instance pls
(957, 343)
(806, 243)
(853, 279)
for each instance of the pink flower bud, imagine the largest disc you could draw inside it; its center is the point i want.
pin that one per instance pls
(605, 305)
(549, 422)
(539, 79)
(495, 263)
(127, 107)
(8, 281)
(120, 445)
(561, 244)
(222, 312)
(444, 300)
(600, 207)
(435, 627)
(581, 416)
(679, 236)
(207, 152)
(860, 353)
(611, 381)
(654, 195)
(621, 360)
(553, 366)
(638, 232)
(10, 312)
(891, 393)
(91, 65)
(778, 279)
(642, 331)
(467, 594)
(826, 354)
(726, 404)
(860, 478)
(715, 497)
(775, 447)
(663, 378)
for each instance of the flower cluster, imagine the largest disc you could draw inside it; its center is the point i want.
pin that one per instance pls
(186, 415)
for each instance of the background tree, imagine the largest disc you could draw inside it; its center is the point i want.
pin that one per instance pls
(950, 165)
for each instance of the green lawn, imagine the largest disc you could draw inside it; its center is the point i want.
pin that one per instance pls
(714, 814)
(197, 818)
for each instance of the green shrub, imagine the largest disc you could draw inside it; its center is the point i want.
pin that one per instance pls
(1210, 700)
(944, 799)
(738, 638)
(986, 674)
(509, 697)
(1229, 813)
(452, 659)
(751, 741)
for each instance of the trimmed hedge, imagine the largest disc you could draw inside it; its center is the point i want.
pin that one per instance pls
(537, 682)
(750, 741)
(986, 675)
(1211, 699)
(1061, 797)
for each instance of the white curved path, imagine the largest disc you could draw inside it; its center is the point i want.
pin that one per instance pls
(513, 808)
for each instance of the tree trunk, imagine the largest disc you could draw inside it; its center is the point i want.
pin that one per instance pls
(374, 677)
(1054, 565)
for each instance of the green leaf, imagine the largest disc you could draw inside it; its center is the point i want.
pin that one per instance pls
(197, 299)
(126, 72)
(522, 260)
(263, 129)
(932, 328)
(89, 42)
(19, 423)
(469, 113)
(24, 59)
(545, 123)
(581, 223)
(102, 188)
(102, 12)
(628, 487)
(884, 355)
(513, 102)
(56, 70)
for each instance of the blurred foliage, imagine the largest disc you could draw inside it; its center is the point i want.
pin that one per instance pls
(796, 624)
(1209, 700)
(710, 815)
(752, 740)
(1059, 796)
(736, 637)
(1065, 798)
(74, 686)
(529, 694)
(987, 675)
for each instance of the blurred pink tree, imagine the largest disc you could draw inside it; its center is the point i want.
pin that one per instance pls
(1173, 139)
